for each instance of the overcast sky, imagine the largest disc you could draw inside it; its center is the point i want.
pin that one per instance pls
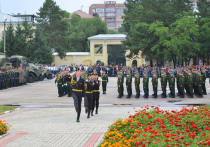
(32, 6)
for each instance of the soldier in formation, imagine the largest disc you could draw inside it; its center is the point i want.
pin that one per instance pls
(105, 80)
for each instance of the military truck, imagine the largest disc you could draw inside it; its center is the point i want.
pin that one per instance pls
(5, 63)
(45, 73)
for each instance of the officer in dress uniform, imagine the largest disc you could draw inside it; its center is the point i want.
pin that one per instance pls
(89, 94)
(128, 84)
(172, 84)
(154, 83)
(78, 91)
(96, 94)
(119, 85)
(182, 85)
(105, 80)
(1, 79)
(203, 73)
(163, 83)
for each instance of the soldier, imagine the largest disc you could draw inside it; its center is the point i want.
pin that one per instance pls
(145, 84)
(89, 95)
(59, 82)
(78, 91)
(105, 80)
(137, 82)
(6, 77)
(128, 84)
(203, 73)
(163, 83)
(120, 85)
(172, 85)
(1, 79)
(110, 71)
(154, 83)
(199, 82)
(96, 94)
(190, 84)
(67, 79)
(181, 85)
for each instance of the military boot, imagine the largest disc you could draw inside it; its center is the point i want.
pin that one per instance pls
(96, 111)
(119, 96)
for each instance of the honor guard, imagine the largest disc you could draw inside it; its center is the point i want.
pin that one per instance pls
(154, 83)
(96, 94)
(172, 85)
(181, 85)
(120, 85)
(104, 81)
(128, 84)
(163, 83)
(203, 73)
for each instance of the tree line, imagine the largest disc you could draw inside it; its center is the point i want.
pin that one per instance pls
(168, 30)
(52, 31)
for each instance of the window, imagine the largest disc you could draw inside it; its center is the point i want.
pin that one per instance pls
(110, 22)
(195, 4)
(110, 18)
(195, 9)
(120, 14)
(110, 9)
(98, 49)
(102, 18)
(118, 26)
(99, 9)
(119, 17)
(120, 9)
(100, 14)
(120, 22)
(110, 14)
(93, 10)
(110, 26)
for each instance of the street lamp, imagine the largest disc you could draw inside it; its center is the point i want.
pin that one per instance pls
(5, 37)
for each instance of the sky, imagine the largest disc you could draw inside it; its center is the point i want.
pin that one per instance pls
(32, 6)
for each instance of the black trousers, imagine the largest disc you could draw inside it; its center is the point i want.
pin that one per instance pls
(77, 96)
(88, 102)
(95, 100)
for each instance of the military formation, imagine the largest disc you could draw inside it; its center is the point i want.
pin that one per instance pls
(189, 82)
(78, 84)
(12, 78)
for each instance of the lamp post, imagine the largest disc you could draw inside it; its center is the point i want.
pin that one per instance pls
(5, 37)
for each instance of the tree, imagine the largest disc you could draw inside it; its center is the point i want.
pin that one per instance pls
(81, 29)
(55, 27)
(41, 51)
(10, 41)
(179, 40)
(20, 40)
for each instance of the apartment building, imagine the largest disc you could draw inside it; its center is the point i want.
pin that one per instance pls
(110, 12)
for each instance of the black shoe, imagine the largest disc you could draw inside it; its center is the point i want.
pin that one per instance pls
(137, 96)
(154, 96)
(145, 96)
(86, 110)
(204, 93)
(92, 114)
(60, 95)
(77, 120)
(69, 95)
(128, 96)
(119, 96)
(200, 96)
(88, 116)
(172, 96)
(96, 111)
(178, 94)
(190, 96)
(163, 96)
(104, 92)
(181, 96)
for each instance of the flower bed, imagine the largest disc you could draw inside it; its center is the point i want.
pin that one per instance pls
(4, 127)
(158, 128)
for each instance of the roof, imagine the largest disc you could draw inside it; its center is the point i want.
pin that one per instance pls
(9, 18)
(73, 53)
(108, 36)
(81, 14)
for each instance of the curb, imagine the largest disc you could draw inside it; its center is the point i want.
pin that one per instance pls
(3, 135)
(9, 111)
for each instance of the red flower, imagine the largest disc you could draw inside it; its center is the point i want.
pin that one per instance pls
(204, 143)
(166, 140)
(182, 137)
(177, 144)
(208, 143)
(194, 126)
(143, 145)
(188, 130)
(186, 144)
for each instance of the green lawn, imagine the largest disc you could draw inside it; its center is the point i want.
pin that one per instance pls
(6, 108)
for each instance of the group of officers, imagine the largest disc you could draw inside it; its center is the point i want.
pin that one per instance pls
(12, 78)
(78, 84)
(190, 80)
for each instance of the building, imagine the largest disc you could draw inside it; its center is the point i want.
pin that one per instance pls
(81, 14)
(5, 20)
(98, 51)
(110, 12)
(28, 17)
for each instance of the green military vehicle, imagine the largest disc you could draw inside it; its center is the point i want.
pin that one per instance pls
(45, 73)
(5, 63)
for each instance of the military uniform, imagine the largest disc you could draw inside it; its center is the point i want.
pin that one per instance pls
(96, 95)
(120, 85)
(204, 82)
(154, 84)
(105, 80)
(128, 85)
(190, 81)
(163, 85)
(59, 82)
(137, 82)
(181, 86)
(172, 86)
(199, 82)
(145, 85)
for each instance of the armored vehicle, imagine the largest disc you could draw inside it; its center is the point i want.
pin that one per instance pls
(45, 73)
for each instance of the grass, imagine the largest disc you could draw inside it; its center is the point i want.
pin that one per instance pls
(6, 108)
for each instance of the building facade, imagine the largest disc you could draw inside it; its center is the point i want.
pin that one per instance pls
(110, 12)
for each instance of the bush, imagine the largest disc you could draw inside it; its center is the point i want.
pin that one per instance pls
(4, 127)
(155, 127)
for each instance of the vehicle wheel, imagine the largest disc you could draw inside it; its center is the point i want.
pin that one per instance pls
(37, 78)
(49, 76)
(31, 78)
(42, 78)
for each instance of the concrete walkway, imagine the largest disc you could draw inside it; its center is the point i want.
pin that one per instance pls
(57, 127)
